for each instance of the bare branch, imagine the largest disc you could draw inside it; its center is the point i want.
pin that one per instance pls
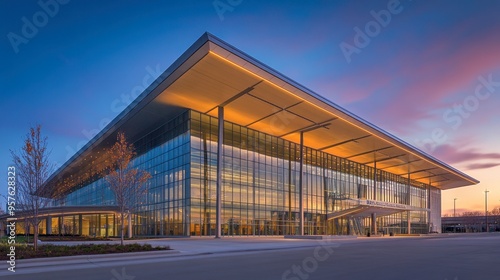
(128, 184)
(32, 170)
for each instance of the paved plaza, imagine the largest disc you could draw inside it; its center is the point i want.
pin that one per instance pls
(444, 257)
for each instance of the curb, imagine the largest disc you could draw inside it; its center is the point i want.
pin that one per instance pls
(82, 259)
(321, 237)
(35, 262)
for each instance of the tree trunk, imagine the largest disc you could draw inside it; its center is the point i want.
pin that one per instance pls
(123, 229)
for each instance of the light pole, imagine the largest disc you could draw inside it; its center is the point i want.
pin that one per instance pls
(486, 207)
(454, 207)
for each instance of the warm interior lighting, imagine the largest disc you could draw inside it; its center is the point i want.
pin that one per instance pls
(330, 113)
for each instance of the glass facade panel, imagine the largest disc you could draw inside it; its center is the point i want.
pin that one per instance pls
(260, 187)
(260, 194)
(164, 153)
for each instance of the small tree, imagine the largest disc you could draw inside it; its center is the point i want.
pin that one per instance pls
(128, 184)
(32, 170)
(472, 214)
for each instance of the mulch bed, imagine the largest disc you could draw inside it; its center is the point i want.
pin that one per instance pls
(47, 250)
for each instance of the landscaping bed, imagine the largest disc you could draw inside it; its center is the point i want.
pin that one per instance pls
(24, 251)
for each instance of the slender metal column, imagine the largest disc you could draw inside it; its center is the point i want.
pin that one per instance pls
(301, 189)
(48, 225)
(374, 223)
(220, 143)
(375, 180)
(255, 225)
(290, 229)
(80, 223)
(486, 208)
(429, 216)
(454, 207)
(207, 227)
(107, 224)
(408, 218)
(129, 224)
(408, 198)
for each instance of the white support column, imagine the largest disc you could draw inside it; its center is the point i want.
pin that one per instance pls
(429, 204)
(409, 222)
(220, 150)
(409, 200)
(48, 225)
(129, 225)
(80, 224)
(61, 226)
(374, 223)
(301, 185)
(107, 223)
(375, 180)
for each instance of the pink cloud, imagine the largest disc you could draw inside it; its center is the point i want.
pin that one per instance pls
(414, 83)
(452, 154)
(431, 83)
(481, 165)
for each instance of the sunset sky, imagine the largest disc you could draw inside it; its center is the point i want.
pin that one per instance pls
(426, 71)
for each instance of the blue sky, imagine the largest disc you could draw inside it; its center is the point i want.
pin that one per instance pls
(416, 75)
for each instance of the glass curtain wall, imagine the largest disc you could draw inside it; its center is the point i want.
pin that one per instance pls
(260, 185)
(260, 192)
(164, 153)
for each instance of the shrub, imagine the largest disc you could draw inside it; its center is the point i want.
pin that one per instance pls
(24, 251)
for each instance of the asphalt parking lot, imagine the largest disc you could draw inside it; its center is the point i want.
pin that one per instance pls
(444, 257)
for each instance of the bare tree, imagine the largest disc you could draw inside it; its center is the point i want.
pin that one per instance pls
(32, 170)
(495, 211)
(128, 184)
(472, 213)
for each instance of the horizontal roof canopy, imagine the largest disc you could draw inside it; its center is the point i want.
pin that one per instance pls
(65, 211)
(212, 73)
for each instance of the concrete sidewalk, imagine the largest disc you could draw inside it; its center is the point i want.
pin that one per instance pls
(199, 245)
(194, 247)
(182, 248)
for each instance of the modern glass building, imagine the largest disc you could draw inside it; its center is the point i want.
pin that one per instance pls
(236, 148)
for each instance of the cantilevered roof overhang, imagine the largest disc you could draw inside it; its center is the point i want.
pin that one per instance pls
(65, 211)
(212, 73)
